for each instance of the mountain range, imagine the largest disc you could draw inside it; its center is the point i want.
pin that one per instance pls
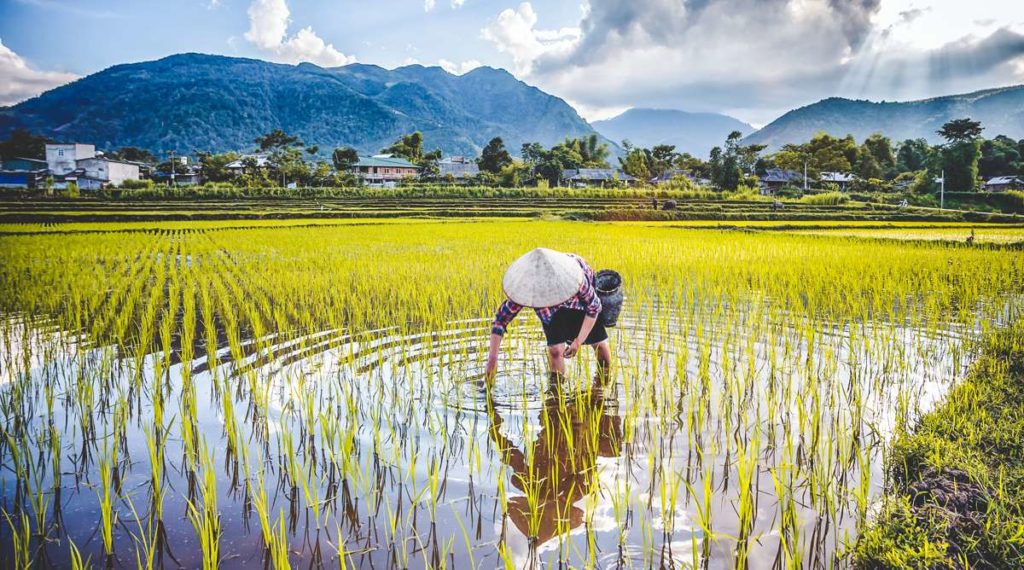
(191, 102)
(1001, 112)
(695, 133)
(196, 102)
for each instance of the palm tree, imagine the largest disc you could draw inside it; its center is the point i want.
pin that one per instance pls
(594, 152)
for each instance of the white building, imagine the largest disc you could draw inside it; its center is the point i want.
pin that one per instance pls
(62, 158)
(91, 171)
(107, 171)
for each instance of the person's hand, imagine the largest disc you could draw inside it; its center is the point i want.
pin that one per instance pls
(491, 370)
(572, 349)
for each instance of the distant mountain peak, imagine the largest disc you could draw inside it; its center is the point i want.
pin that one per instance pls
(695, 133)
(198, 102)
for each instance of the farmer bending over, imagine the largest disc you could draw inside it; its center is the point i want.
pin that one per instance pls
(560, 289)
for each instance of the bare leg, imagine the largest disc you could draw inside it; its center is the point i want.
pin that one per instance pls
(556, 359)
(603, 352)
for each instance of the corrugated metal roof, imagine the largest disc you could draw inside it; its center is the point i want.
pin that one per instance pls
(780, 175)
(380, 161)
(445, 168)
(837, 177)
(599, 174)
(1006, 180)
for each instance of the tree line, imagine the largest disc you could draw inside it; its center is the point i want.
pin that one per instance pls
(965, 159)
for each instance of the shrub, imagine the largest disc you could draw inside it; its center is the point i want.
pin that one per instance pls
(1013, 201)
(826, 199)
(136, 184)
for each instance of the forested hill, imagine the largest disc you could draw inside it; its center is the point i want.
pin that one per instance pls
(1001, 112)
(193, 102)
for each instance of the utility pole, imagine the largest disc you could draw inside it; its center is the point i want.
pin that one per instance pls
(173, 175)
(942, 191)
(805, 176)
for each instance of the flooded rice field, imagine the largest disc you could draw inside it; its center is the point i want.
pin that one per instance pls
(316, 397)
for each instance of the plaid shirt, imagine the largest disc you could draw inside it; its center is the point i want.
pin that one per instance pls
(585, 300)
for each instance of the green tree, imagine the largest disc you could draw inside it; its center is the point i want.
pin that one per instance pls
(213, 167)
(823, 153)
(290, 166)
(635, 162)
(410, 147)
(592, 152)
(879, 148)
(960, 154)
(253, 175)
(961, 130)
(549, 164)
(727, 168)
(913, 155)
(999, 156)
(689, 163)
(514, 174)
(661, 159)
(868, 167)
(133, 154)
(344, 158)
(23, 144)
(277, 139)
(494, 156)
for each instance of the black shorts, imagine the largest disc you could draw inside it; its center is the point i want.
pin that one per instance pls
(565, 326)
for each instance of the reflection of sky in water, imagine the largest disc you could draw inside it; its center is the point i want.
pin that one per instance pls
(422, 395)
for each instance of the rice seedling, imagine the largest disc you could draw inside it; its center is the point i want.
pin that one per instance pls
(328, 378)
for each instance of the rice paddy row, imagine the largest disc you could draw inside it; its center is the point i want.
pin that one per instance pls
(605, 207)
(306, 396)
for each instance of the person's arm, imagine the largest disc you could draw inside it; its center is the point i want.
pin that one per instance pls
(506, 313)
(588, 295)
(588, 325)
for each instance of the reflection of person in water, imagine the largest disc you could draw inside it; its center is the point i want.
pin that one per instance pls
(576, 429)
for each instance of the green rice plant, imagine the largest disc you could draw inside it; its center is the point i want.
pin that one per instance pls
(754, 372)
(21, 538)
(205, 517)
(77, 563)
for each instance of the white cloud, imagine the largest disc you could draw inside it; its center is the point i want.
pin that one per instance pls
(268, 30)
(514, 33)
(759, 56)
(428, 5)
(456, 4)
(18, 81)
(459, 68)
(591, 113)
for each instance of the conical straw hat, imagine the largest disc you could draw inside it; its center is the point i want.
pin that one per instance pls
(542, 278)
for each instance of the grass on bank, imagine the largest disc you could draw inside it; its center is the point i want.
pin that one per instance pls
(956, 497)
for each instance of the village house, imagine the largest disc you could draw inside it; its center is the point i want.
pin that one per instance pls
(384, 170)
(672, 174)
(1004, 183)
(585, 177)
(187, 176)
(236, 167)
(81, 164)
(458, 167)
(840, 179)
(100, 171)
(22, 173)
(775, 179)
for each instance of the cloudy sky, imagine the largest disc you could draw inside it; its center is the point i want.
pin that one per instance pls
(753, 59)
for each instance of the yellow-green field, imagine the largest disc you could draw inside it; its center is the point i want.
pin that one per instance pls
(982, 234)
(304, 394)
